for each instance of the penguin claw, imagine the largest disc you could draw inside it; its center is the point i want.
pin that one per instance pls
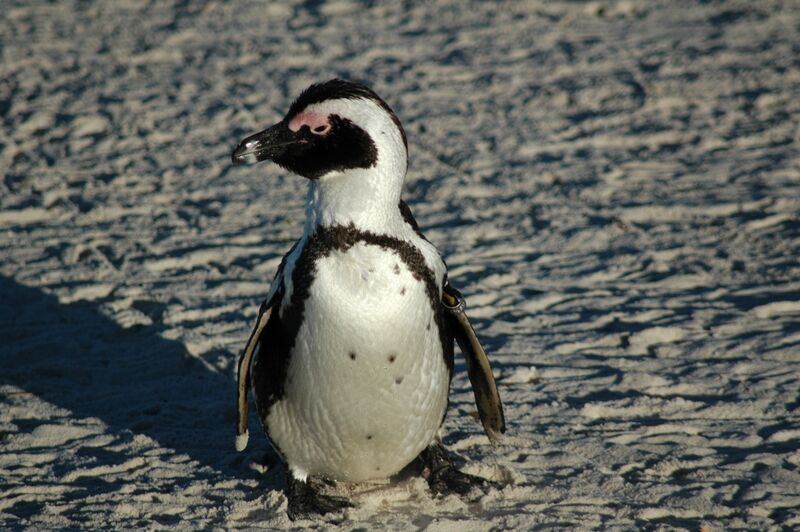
(449, 480)
(304, 502)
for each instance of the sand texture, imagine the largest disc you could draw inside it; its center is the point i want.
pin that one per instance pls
(615, 187)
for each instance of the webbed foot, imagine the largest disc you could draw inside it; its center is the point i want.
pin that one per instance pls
(307, 503)
(444, 478)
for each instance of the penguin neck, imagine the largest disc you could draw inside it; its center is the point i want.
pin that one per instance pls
(365, 198)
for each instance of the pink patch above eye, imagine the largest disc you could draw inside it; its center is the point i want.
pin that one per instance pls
(316, 122)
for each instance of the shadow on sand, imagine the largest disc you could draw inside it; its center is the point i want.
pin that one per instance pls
(134, 380)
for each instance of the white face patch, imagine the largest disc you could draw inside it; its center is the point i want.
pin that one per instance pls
(365, 197)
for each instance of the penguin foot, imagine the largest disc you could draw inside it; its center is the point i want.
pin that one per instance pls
(444, 478)
(306, 503)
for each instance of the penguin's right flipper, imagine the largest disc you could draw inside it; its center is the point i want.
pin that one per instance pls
(243, 375)
(304, 502)
(490, 408)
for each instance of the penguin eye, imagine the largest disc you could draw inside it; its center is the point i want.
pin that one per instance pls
(322, 129)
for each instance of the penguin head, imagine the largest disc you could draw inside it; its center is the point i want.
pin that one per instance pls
(331, 128)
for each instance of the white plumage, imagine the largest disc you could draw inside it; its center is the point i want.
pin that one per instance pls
(367, 384)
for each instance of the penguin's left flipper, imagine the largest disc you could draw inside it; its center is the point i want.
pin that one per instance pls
(487, 399)
(444, 478)
(243, 374)
(305, 502)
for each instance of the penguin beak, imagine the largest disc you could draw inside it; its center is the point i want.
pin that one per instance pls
(266, 145)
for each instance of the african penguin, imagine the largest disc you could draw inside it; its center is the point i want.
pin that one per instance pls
(353, 366)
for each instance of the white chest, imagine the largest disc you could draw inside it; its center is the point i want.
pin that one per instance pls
(366, 385)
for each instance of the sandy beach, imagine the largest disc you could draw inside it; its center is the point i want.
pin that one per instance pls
(615, 187)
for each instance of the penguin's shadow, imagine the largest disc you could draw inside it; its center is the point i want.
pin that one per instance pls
(134, 380)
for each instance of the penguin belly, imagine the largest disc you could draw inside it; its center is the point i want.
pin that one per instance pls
(366, 384)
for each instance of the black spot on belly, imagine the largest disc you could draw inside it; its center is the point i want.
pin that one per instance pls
(398, 380)
(392, 358)
(396, 269)
(403, 291)
(369, 436)
(352, 356)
